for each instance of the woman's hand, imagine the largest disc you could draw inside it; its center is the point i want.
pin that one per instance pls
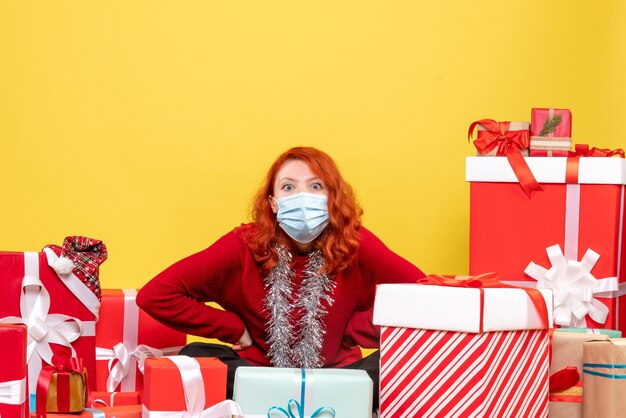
(244, 342)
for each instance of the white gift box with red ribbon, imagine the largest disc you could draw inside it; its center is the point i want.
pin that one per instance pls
(459, 351)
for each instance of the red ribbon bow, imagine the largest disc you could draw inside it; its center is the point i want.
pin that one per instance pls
(583, 150)
(63, 365)
(509, 144)
(485, 281)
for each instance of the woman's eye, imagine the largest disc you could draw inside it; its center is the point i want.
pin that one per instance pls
(287, 187)
(317, 186)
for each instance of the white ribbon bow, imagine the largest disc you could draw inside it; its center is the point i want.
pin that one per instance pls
(193, 388)
(43, 328)
(573, 286)
(122, 360)
(13, 392)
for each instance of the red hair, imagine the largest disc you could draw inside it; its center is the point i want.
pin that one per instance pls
(339, 241)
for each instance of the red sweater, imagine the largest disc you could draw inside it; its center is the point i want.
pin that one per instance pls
(226, 273)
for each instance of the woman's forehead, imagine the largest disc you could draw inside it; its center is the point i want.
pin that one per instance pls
(295, 170)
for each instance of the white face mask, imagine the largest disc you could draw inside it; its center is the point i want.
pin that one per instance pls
(303, 216)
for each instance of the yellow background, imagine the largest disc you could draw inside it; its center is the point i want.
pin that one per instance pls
(150, 124)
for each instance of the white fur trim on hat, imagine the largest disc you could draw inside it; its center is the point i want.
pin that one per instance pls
(63, 265)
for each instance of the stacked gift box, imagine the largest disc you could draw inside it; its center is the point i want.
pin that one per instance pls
(122, 366)
(555, 221)
(454, 347)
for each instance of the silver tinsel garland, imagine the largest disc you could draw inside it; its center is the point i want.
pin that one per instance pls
(288, 348)
(279, 333)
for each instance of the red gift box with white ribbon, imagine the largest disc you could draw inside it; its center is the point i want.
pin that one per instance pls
(463, 351)
(181, 386)
(126, 336)
(13, 371)
(58, 308)
(567, 237)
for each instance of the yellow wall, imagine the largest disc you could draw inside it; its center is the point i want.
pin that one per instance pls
(150, 124)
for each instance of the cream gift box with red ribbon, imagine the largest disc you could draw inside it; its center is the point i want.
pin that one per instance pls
(58, 309)
(13, 371)
(452, 351)
(568, 237)
(186, 387)
(125, 337)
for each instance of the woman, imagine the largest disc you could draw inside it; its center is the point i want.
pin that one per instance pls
(297, 285)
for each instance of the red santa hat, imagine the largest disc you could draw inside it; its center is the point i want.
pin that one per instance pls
(81, 256)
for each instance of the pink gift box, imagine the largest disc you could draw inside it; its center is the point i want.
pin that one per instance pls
(13, 399)
(550, 132)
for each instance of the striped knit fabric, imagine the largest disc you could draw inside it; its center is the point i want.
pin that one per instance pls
(453, 374)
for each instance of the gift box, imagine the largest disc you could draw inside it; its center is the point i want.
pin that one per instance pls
(604, 378)
(108, 399)
(60, 308)
(566, 396)
(263, 391)
(201, 391)
(548, 237)
(463, 351)
(496, 138)
(550, 132)
(62, 387)
(125, 337)
(13, 399)
(125, 411)
(510, 139)
(611, 333)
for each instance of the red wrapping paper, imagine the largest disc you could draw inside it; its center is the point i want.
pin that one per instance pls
(508, 231)
(110, 331)
(13, 365)
(163, 388)
(126, 411)
(108, 399)
(62, 301)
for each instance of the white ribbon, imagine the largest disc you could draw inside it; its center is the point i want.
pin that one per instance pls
(193, 389)
(74, 284)
(122, 362)
(13, 392)
(43, 328)
(127, 356)
(574, 287)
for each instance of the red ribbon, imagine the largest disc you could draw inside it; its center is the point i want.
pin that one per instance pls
(485, 281)
(63, 366)
(508, 143)
(564, 379)
(583, 150)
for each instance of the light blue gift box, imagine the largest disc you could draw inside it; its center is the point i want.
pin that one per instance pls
(612, 333)
(303, 393)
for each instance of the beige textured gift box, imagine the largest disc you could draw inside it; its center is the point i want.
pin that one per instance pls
(567, 351)
(604, 378)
